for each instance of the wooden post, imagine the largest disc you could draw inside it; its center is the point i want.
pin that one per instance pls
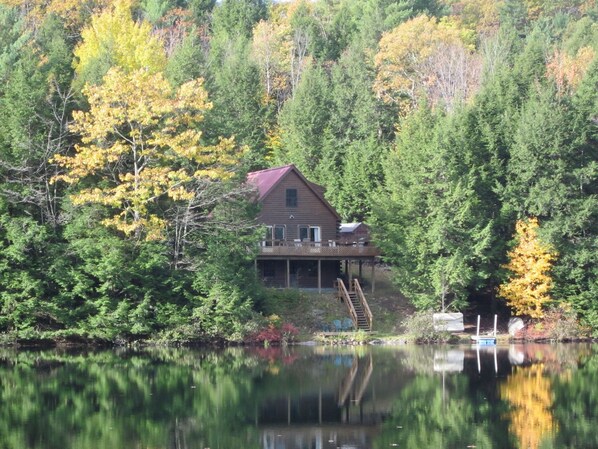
(373, 276)
(347, 268)
(350, 274)
(319, 275)
(360, 265)
(495, 318)
(288, 273)
(319, 406)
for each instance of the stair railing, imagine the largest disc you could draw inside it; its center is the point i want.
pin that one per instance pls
(344, 294)
(364, 303)
(364, 380)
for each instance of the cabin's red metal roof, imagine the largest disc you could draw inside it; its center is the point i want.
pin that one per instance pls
(264, 180)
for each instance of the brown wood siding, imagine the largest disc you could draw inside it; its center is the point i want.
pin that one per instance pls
(310, 210)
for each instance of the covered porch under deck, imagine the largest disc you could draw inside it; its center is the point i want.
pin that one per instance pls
(313, 265)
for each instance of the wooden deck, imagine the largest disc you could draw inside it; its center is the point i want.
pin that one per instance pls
(330, 249)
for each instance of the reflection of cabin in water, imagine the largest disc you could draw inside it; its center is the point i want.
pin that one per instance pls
(347, 418)
(302, 245)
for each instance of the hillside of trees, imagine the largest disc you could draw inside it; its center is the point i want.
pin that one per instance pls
(451, 127)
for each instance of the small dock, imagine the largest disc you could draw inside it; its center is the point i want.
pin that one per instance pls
(485, 340)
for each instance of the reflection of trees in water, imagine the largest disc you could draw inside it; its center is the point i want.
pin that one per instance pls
(179, 398)
(104, 400)
(529, 394)
(419, 359)
(556, 358)
(428, 416)
(576, 403)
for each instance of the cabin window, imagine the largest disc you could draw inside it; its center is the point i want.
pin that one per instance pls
(311, 233)
(291, 197)
(279, 232)
(303, 233)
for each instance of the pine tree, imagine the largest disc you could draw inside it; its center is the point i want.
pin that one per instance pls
(304, 121)
(428, 219)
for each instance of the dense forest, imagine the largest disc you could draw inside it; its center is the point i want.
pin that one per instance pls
(451, 127)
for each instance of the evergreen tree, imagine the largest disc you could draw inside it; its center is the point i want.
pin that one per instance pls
(357, 113)
(427, 217)
(13, 37)
(187, 62)
(553, 174)
(239, 111)
(34, 109)
(236, 18)
(362, 175)
(304, 120)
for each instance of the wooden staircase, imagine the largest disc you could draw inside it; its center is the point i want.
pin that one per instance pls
(356, 304)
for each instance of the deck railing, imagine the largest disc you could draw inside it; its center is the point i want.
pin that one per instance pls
(329, 248)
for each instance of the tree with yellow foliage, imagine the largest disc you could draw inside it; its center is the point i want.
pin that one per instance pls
(425, 58)
(270, 49)
(140, 144)
(528, 288)
(114, 39)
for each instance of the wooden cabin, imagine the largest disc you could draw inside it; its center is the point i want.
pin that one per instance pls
(301, 246)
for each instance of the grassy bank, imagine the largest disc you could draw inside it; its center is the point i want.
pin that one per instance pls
(312, 312)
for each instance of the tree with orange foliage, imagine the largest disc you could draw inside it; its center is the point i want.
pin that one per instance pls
(528, 288)
(74, 12)
(568, 71)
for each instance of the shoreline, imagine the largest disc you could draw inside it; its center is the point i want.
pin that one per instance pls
(316, 339)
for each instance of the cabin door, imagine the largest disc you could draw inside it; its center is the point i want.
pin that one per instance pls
(314, 234)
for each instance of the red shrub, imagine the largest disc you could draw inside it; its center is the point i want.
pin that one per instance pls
(274, 334)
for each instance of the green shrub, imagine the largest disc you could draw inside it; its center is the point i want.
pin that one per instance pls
(361, 336)
(561, 323)
(420, 325)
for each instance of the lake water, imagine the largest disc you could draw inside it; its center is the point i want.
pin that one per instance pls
(414, 397)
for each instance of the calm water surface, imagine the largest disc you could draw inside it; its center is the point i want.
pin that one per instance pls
(533, 396)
